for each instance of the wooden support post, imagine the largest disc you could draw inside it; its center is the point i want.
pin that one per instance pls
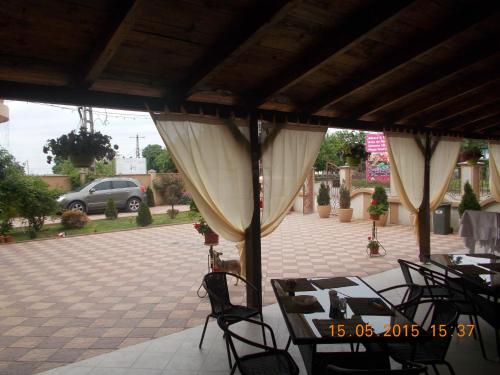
(252, 234)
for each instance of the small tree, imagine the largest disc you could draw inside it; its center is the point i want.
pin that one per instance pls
(111, 212)
(171, 189)
(323, 197)
(35, 201)
(150, 197)
(469, 200)
(144, 217)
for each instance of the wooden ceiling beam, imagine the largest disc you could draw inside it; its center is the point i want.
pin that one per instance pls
(468, 18)
(473, 121)
(495, 123)
(477, 95)
(455, 113)
(242, 34)
(336, 40)
(425, 80)
(122, 21)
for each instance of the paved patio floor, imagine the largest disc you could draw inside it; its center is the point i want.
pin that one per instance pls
(68, 299)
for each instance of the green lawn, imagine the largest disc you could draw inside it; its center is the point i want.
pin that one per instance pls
(103, 225)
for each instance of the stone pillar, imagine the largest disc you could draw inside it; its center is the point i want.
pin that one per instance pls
(308, 194)
(83, 175)
(471, 173)
(345, 174)
(4, 112)
(152, 178)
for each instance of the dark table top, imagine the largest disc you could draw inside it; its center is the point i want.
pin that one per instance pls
(386, 328)
(484, 272)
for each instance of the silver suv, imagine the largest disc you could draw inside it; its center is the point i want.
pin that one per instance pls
(126, 192)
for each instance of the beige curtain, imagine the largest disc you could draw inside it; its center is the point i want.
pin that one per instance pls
(407, 170)
(286, 163)
(494, 151)
(216, 169)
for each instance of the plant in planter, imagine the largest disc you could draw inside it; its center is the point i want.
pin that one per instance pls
(211, 238)
(379, 206)
(80, 148)
(373, 246)
(345, 210)
(471, 151)
(353, 150)
(323, 200)
(5, 227)
(469, 200)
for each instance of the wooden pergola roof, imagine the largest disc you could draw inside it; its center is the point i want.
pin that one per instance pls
(364, 64)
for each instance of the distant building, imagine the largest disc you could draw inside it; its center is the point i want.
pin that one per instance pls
(130, 166)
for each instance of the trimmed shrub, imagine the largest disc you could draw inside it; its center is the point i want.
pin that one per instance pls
(150, 197)
(144, 217)
(469, 200)
(380, 196)
(74, 219)
(111, 212)
(344, 197)
(172, 213)
(323, 197)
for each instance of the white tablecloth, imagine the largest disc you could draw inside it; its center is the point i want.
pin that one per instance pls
(482, 227)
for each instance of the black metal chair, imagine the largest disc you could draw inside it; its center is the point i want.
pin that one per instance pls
(270, 361)
(215, 283)
(407, 306)
(432, 352)
(410, 368)
(429, 290)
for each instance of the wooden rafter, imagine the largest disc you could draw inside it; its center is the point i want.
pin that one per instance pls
(468, 115)
(466, 101)
(424, 81)
(242, 34)
(122, 21)
(495, 123)
(334, 41)
(423, 45)
(480, 123)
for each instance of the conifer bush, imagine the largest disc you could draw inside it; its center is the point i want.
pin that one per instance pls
(111, 212)
(144, 217)
(469, 200)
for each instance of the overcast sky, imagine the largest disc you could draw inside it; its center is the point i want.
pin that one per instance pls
(31, 124)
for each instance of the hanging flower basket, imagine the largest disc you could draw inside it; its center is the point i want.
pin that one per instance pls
(81, 161)
(211, 238)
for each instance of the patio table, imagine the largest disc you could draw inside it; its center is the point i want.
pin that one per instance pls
(481, 271)
(377, 321)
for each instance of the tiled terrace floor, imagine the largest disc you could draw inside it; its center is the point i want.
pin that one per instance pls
(68, 299)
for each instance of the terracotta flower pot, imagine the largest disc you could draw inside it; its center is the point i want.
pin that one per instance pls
(344, 214)
(374, 217)
(211, 238)
(382, 220)
(324, 211)
(374, 250)
(8, 239)
(1, 239)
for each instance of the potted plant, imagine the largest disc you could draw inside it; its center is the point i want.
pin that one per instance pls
(373, 246)
(379, 206)
(5, 227)
(353, 151)
(469, 200)
(471, 151)
(345, 210)
(80, 148)
(323, 200)
(211, 238)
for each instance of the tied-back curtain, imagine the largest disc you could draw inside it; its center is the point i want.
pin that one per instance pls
(407, 170)
(494, 151)
(286, 163)
(216, 169)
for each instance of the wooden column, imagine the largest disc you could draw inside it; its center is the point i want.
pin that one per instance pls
(252, 234)
(424, 214)
(424, 211)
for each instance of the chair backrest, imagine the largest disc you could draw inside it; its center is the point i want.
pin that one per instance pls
(414, 369)
(406, 268)
(407, 307)
(444, 319)
(215, 283)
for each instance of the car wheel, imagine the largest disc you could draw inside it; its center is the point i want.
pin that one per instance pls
(77, 206)
(133, 204)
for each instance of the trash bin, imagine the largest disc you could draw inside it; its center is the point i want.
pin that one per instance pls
(441, 219)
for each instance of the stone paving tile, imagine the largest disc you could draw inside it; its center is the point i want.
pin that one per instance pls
(69, 299)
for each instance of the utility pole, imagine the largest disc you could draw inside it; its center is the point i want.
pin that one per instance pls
(137, 149)
(86, 118)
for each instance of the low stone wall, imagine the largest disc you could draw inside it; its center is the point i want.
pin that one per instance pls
(59, 182)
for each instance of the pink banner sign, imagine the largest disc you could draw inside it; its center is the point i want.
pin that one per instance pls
(375, 142)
